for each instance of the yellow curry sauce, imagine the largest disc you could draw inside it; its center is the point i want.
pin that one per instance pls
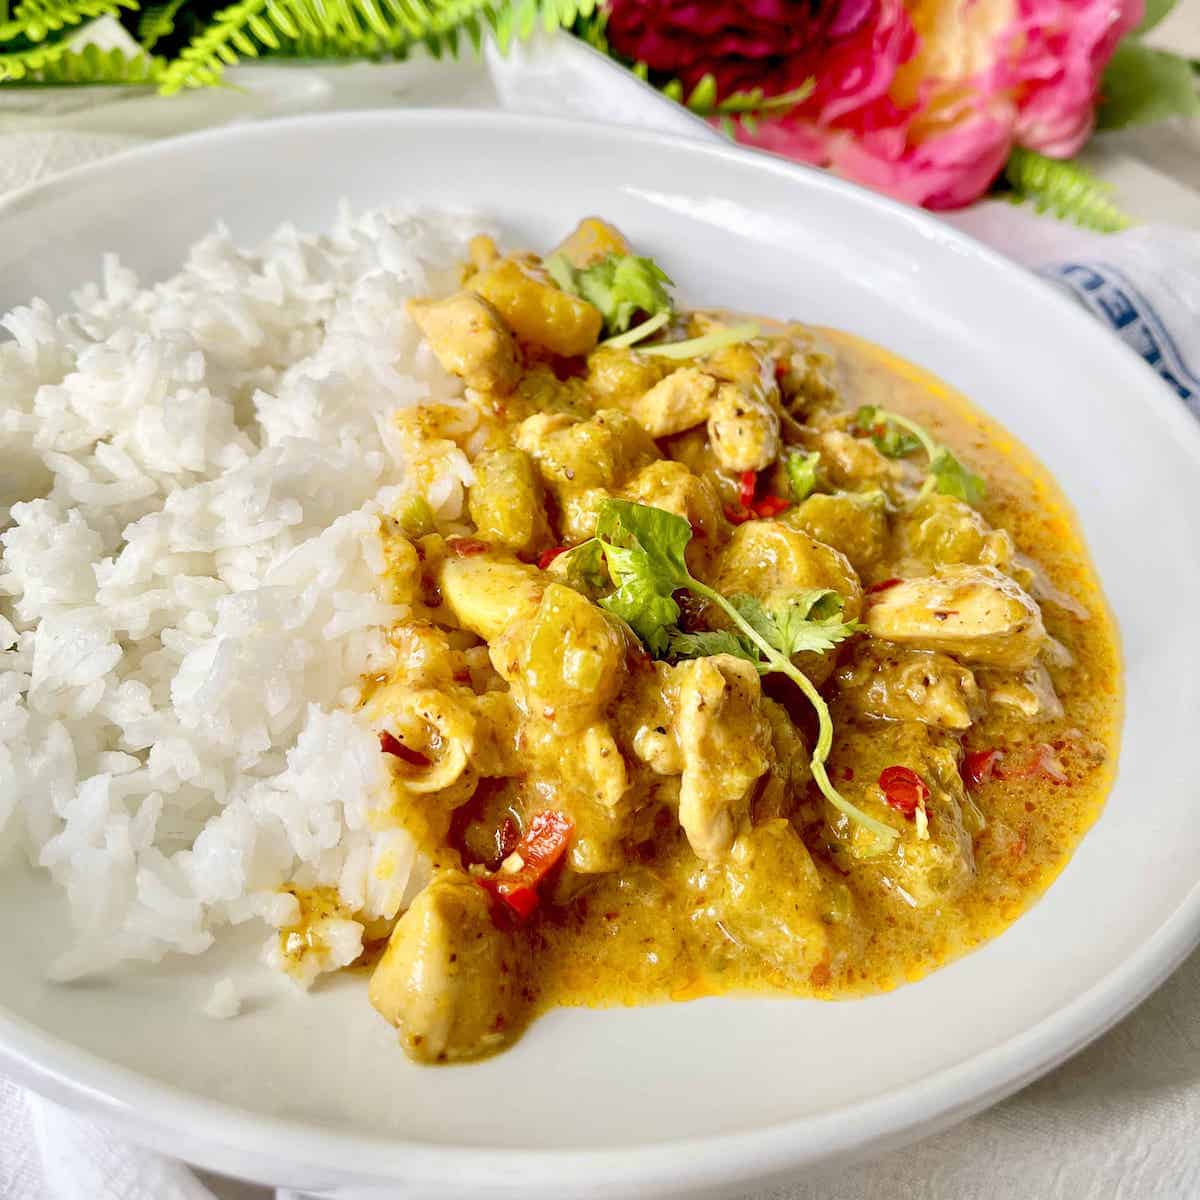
(612, 821)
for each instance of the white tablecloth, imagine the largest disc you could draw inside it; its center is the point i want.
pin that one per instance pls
(1117, 1121)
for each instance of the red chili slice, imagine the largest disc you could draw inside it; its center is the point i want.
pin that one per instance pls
(747, 488)
(979, 766)
(771, 506)
(903, 789)
(394, 746)
(883, 585)
(737, 516)
(545, 842)
(550, 555)
(464, 547)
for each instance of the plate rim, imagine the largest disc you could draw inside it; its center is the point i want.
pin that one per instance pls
(55, 1067)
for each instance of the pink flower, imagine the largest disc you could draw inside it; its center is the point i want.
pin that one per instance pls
(923, 100)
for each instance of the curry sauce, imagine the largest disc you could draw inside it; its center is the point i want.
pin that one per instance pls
(740, 656)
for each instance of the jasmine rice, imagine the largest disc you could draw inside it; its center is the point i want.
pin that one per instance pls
(192, 479)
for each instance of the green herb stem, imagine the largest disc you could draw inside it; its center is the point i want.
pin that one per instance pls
(707, 344)
(885, 835)
(638, 333)
(922, 435)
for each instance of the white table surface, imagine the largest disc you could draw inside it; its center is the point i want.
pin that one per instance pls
(1120, 1119)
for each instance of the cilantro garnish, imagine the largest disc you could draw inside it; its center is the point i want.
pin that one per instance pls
(644, 549)
(801, 471)
(896, 436)
(619, 285)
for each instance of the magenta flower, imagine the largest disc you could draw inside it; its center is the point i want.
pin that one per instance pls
(923, 100)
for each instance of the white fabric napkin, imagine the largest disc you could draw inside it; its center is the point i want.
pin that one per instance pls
(1117, 1121)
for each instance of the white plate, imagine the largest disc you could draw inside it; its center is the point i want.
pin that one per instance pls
(700, 1098)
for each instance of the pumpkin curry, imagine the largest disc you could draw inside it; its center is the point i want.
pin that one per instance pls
(753, 659)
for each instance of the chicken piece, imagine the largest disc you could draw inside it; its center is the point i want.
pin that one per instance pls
(671, 486)
(536, 310)
(743, 429)
(616, 378)
(589, 242)
(470, 339)
(680, 401)
(583, 462)
(773, 901)
(485, 592)
(1030, 692)
(506, 501)
(918, 871)
(853, 522)
(725, 743)
(771, 561)
(896, 684)
(806, 378)
(975, 613)
(851, 463)
(942, 530)
(565, 661)
(450, 981)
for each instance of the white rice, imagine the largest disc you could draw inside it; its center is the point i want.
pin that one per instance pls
(191, 479)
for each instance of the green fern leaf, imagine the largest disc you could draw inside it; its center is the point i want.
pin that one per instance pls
(704, 94)
(36, 20)
(1063, 188)
(27, 63)
(91, 65)
(157, 22)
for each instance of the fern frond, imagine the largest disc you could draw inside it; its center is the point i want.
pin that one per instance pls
(156, 22)
(359, 29)
(26, 62)
(91, 65)
(1063, 188)
(36, 20)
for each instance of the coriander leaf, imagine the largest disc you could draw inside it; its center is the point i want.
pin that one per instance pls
(708, 643)
(946, 474)
(619, 285)
(639, 540)
(646, 611)
(584, 566)
(811, 622)
(644, 550)
(751, 610)
(953, 479)
(801, 471)
(889, 440)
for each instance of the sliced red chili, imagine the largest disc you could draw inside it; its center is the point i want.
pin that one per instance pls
(394, 746)
(883, 585)
(903, 789)
(464, 547)
(979, 766)
(748, 484)
(772, 506)
(738, 515)
(545, 842)
(550, 555)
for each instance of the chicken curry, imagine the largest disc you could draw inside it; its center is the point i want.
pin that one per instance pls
(752, 659)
